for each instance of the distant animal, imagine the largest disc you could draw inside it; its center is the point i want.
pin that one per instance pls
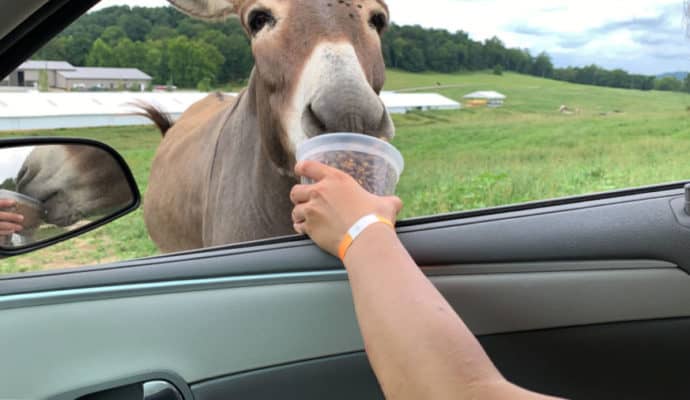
(222, 173)
(567, 110)
(73, 182)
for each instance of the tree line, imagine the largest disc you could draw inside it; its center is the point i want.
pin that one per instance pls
(176, 49)
(166, 44)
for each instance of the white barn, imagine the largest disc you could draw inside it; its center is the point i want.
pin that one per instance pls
(36, 110)
(400, 103)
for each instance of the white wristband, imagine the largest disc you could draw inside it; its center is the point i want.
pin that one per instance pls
(360, 226)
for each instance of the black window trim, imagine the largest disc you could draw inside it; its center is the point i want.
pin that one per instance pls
(39, 28)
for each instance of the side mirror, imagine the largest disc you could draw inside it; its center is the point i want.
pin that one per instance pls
(55, 189)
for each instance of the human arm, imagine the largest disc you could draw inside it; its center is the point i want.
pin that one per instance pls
(418, 346)
(9, 222)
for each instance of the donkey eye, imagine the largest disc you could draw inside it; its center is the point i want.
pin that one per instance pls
(379, 22)
(258, 19)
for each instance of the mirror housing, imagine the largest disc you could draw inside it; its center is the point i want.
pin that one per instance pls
(62, 188)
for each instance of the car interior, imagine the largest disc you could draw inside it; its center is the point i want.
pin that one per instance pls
(583, 297)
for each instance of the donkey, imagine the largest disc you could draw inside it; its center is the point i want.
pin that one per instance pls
(222, 172)
(74, 182)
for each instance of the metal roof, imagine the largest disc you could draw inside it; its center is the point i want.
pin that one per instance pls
(49, 65)
(37, 110)
(91, 73)
(414, 100)
(488, 94)
(36, 104)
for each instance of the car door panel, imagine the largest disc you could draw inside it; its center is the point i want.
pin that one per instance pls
(635, 360)
(214, 317)
(215, 332)
(341, 377)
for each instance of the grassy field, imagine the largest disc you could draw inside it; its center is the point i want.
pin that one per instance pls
(466, 159)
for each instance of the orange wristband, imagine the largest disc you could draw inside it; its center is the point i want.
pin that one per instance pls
(357, 229)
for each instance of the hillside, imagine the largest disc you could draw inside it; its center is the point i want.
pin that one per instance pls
(532, 95)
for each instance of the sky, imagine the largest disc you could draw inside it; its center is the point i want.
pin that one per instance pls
(11, 160)
(640, 36)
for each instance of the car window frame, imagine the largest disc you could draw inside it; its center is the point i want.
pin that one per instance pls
(56, 15)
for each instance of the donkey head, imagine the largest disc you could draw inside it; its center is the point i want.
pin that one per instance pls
(74, 182)
(319, 66)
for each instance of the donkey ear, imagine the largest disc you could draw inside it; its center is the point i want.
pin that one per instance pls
(210, 10)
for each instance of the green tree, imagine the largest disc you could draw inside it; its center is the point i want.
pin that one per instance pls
(543, 66)
(498, 69)
(204, 85)
(161, 33)
(101, 55)
(135, 26)
(77, 48)
(131, 54)
(686, 83)
(494, 51)
(669, 83)
(43, 84)
(190, 61)
(9, 184)
(54, 50)
(113, 34)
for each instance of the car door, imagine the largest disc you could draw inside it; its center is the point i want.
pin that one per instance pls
(585, 297)
(581, 298)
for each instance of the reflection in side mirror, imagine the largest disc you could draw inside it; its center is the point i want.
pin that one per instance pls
(53, 191)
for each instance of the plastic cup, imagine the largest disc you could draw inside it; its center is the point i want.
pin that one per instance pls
(373, 163)
(30, 208)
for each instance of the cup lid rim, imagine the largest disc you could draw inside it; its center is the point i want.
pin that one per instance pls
(22, 197)
(320, 144)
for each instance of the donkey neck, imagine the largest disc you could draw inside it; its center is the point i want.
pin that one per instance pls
(248, 197)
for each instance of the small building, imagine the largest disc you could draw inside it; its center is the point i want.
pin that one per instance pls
(29, 73)
(86, 78)
(490, 99)
(63, 75)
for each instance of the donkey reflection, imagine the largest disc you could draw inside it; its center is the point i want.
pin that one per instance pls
(74, 182)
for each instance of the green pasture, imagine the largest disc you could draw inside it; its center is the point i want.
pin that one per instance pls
(462, 160)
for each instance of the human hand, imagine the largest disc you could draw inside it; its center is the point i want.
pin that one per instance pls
(328, 208)
(9, 222)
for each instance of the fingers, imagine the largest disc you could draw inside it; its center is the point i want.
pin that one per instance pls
(313, 170)
(299, 228)
(7, 203)
(299, 214)
(300, 194)
(11, 217)
(7, 228)
(299, 219)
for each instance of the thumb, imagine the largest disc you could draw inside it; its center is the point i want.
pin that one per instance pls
(311, 169)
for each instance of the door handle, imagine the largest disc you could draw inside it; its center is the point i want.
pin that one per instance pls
(148, 390)
(161, 390)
